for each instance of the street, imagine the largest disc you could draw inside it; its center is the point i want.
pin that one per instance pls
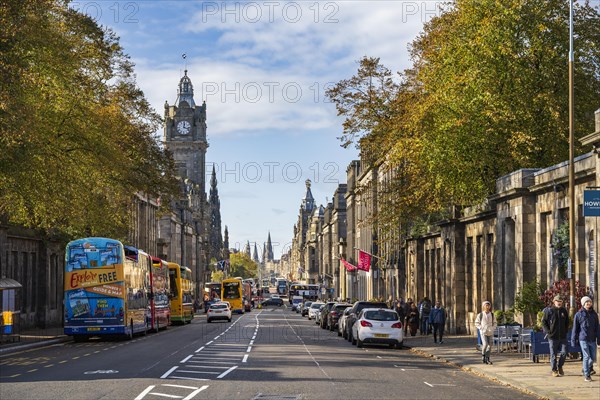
(265, 354)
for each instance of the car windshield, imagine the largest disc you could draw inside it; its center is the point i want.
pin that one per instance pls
(316, 305)
(307, 304)
(341, 308)
(381, 315)
(218, 306)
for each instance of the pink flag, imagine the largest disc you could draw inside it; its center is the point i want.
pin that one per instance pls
(364, 261)
(349, 267)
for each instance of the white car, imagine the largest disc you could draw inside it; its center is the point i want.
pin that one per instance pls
(315, 308)
(218, 311)
(378, 325)
(342, 323)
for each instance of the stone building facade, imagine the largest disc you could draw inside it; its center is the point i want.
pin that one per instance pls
(484, 252)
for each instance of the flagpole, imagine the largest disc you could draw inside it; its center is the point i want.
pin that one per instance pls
(372, 255)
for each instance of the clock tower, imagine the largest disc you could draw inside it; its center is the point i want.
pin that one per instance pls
(185, 134)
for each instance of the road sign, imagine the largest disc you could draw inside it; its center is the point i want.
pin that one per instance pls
(591, 203)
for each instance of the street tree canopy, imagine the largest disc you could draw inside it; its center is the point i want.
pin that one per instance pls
(240, 264)
(76, 133)
(487, 94)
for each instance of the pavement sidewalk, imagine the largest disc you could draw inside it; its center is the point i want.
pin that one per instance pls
(31, 338)
(510, 368)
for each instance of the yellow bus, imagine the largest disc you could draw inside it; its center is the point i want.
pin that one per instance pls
(232, 291)
(182, 289)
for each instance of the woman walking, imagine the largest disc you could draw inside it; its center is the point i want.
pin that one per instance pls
(486, 324)
(412, 319)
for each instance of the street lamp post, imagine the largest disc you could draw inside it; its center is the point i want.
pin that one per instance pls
(571, 168)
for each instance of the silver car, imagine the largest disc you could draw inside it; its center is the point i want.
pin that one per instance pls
(315, 309)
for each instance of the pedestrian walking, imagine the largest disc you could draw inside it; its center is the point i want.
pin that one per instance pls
(556, 325)
(486, 324)
(586, 331)
(437, 319)
(424, 310)
(412, 319)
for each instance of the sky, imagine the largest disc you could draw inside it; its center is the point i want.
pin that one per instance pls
(263, 68)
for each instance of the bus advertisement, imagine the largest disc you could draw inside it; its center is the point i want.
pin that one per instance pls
(160, 307)
(182, 287)
(308, 291)
(231, 289)
(104, 291)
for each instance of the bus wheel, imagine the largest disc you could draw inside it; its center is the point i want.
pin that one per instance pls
(189, 321)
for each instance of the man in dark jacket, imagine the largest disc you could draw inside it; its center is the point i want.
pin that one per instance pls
(437, 318)
(586, 331)
(556, 326)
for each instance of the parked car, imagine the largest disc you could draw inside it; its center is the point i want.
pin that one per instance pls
(218, 311)
(378, 325)
(314, 309)
(335, 313)
(342, 323)
(305, 307)
(318, 314)
(357, 308)
(273, 301)
(325, 313)
(296, 301)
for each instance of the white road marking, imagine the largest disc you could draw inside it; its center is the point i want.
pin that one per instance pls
(226, 372)
(168, 372)
(180, 386)
(190, 379)
(187, 358)
(172, 396)
(200, 349)
(145, 392)
(205, 366)
(209, 342)
(245, 358)
(438, 384)
(249, 349)
(195, 392)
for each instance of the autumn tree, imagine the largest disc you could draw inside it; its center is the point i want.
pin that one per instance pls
(240, 264)
(487, 94)
(76, 133)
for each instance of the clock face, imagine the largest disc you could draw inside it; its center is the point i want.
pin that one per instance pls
(183, 127)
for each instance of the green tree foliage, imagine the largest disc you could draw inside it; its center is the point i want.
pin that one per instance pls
(76, 133)
(527, 299)
(216, 276)
(561, 249)
(240, 264)
(487, 94)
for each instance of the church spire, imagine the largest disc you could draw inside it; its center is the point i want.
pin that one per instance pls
(247, 249)
(308, 202)
(213, 179)
(255, 255)
(269, 249)
(215, 239)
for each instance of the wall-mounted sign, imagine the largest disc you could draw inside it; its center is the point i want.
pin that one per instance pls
(591, 203)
